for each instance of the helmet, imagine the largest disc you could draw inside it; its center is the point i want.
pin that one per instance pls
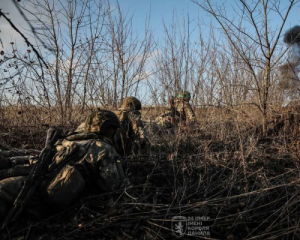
(184, 95)
(131, 103)
(101, 120)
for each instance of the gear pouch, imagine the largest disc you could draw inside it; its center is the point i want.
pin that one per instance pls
(65, 186)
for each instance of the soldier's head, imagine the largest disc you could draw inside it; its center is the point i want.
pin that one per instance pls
(102, 122)
(184, 96)
(131, 104)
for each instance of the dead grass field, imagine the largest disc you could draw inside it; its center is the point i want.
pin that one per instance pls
(246, 183)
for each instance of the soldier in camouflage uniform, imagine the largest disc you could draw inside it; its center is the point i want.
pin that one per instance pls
(184, 108)
(131, 138)
(82, 159)
(180, 112)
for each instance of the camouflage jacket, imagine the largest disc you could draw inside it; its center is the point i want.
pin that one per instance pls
(81, 160)
(165, 121)
(132, 136)
(181, 112)
(185, 110)
(80, 128)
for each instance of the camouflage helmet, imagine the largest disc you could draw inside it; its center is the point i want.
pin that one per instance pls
(131, 103)
(184, 95)
(101, 120)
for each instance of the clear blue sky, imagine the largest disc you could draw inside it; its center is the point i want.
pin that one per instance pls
(163, 10)
(160, 10)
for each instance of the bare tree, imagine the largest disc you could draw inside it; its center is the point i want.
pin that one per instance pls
(75, 32)
(174, 60)
(128, 52)
(255, 42)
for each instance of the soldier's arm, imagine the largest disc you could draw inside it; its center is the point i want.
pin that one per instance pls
(166, 115)
(190, 113)
(139, 130)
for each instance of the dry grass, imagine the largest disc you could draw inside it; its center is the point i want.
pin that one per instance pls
(248, 185)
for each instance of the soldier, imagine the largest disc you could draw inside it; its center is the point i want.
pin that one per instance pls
(82, 159)
(131, 137)
(180, 112)
(183, 107)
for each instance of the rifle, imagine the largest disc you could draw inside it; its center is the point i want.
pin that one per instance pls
(30, 185)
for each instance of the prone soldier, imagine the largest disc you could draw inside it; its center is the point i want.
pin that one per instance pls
(81, 159)
(131, 137)
(179, 113)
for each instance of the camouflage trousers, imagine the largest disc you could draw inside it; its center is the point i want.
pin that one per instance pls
(59, 190)
(9, 190)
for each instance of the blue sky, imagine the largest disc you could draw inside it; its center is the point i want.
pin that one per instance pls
(163, 10)
(160, 10)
